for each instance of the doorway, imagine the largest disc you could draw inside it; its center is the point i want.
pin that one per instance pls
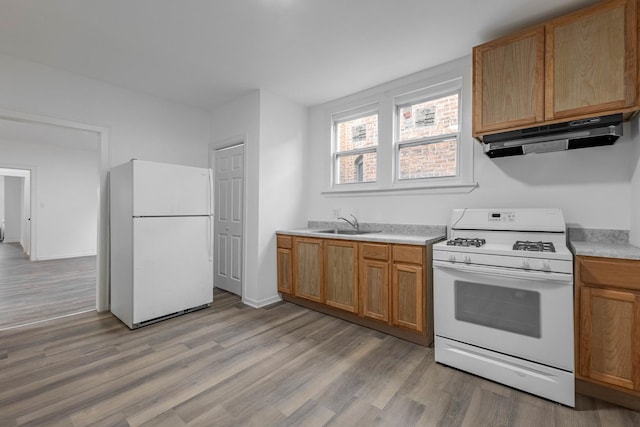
(100, 167)
(228, 168)
(15, 208)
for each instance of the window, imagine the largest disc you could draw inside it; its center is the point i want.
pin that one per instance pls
(356, 148)
(427, 138)
(410, 135)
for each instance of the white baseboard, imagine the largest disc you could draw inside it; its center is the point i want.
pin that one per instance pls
(261, 303)
(65, 256)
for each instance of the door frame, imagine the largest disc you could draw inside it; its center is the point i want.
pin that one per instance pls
(103, 160)
(24, 171)
(234, 141)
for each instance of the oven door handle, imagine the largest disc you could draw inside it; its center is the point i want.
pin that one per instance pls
(503, 272)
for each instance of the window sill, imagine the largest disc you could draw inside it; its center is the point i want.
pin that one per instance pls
(448, 188)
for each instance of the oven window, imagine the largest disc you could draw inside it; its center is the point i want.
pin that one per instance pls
(508, 309)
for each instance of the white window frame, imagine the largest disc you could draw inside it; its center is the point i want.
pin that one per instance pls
(435, 82)
(345, 116)
(416, 97)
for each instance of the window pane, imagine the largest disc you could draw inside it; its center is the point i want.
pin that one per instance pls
(357, 133)
(356, 168)
(429, 118)
(429, 160)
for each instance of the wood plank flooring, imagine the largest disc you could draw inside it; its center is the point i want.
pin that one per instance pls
(39, 290)
(231, 365)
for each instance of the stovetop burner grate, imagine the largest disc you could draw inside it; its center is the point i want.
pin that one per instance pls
(466, 242)
(525, 245)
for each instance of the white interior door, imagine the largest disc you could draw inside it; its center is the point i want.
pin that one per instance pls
(229, 216)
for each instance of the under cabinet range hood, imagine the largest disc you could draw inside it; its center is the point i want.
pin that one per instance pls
(592, 132)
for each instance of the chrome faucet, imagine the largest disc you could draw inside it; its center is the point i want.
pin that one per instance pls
(354, 223)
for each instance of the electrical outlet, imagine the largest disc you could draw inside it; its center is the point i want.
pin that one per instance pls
(336, 213)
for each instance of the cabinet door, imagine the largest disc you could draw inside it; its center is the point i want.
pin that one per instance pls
(285, 282)
(308, 272)
(285, 264)
(341, 274)
(591, 60)
(610, 336)
(374, 286)
(407, 300)
(508, 82)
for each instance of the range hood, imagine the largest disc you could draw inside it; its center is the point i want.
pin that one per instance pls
(592, 132)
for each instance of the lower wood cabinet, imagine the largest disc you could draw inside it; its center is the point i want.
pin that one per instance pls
(407, 283)
(285, 266)
(381, 285)
(608, 352)
(608, 327)
(407, 297)
(308, 272)
(341, 274)
(374, 281)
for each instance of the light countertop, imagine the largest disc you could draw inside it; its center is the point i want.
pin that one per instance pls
(606, 250)
(380, 237)
(602, 243)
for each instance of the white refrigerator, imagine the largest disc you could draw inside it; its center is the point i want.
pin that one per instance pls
(161, 241)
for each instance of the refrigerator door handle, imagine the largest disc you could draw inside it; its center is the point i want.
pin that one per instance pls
(210, 191)
(210, 238)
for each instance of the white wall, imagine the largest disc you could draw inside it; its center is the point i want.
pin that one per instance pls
(283, 132)
(273, 130)
(13, 204)
(141, 126)
(65, 213)
(1, 198)
(635, 183)
(592, 186)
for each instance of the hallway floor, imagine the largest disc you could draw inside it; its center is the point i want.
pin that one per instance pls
(40, 290)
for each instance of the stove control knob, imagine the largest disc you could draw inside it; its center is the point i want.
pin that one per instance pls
(525, 264)
(467, 260)
(452, 258)
(546, 266)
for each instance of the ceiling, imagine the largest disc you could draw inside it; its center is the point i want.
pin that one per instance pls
(206, 52)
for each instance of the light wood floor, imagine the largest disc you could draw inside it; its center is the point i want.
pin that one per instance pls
(39, 290)
(231, 365)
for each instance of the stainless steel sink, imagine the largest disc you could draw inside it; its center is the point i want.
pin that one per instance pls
(350, 232)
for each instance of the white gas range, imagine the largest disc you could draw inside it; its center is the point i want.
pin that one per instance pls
(503, 299)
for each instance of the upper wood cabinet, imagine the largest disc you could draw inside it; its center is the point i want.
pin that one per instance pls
(591, 61)
(576, 66)
(508, 82)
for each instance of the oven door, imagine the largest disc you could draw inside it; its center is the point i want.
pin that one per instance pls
(526, 314)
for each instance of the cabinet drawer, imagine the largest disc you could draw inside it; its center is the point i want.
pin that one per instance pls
(374, 251)
(609, 271)
(409, 254)
(284, 242)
